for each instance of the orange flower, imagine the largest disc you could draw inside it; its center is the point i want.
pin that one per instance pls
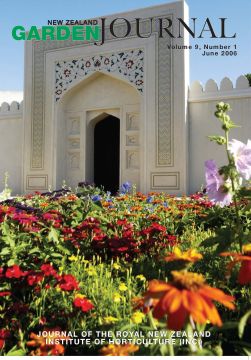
(187, 295)
(43, 346)
(244, 276)
(44, 204)
(72, 197)
(131, 214)
(153, 217)
(118, 350)
(121, 198)
(190, 255)
(136, 208)
(140, 303)
(106, 204)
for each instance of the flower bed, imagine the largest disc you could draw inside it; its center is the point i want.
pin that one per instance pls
(77, 262)
(87, 273)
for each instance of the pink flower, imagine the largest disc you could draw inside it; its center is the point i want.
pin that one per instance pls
(242, 157)
(217, 190)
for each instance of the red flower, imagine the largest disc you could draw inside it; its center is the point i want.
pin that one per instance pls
(14, 272)
(1, 273)
(67, 230)
(68, 283)
(158, 227)
(48, 216)
(42, 320)
(122, 222)
(34, 278)
(4, 334)
(25, 219)
(5, 293)
(83, 303)
(172, 239)
(155, 228)
(48, 270)
(99, 237)
(244, 276)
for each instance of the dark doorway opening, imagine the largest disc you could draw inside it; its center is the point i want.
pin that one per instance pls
(106, 153)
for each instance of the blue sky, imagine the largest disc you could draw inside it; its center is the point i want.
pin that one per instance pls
(30, 12)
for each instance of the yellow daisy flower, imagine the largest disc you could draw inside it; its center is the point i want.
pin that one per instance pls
(123, 287)
(137, 317)
(117, 297)
(73, 258)
(109, 320)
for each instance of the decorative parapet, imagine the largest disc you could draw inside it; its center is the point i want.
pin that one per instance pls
(226, 90)
(12, 110)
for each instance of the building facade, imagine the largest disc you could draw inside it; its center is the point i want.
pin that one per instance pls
(112, 113)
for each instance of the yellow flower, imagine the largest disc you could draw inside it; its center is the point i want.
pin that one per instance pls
(247, 248)
(73, 258)
(137, 317)
(91, 271)
(116, 266)
(190, 255)
(123, 287)
(85, 261)
(117, 297)
(109, 320)
(81, 296)
(141, 277)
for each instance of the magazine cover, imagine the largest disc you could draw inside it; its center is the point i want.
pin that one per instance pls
(125, 178)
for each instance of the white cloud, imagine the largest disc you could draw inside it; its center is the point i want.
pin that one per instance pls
(9, 96)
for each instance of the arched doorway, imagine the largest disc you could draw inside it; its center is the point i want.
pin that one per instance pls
(78, 113)
(107, 153)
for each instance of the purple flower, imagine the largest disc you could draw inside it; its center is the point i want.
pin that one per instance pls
(126, 187)
(96, 198)
(217, 190)
(149, 199)
(242, 157)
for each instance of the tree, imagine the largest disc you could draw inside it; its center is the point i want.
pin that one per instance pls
(248, 76)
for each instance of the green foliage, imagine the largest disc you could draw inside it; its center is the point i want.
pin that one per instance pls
(112, 248)
(248, 76)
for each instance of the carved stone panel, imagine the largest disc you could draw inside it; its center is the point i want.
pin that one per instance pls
(128, 64)
(74, 126)
(74, 143)
(132, 159)
(74, 161)
(132, 121)
(132, 140)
